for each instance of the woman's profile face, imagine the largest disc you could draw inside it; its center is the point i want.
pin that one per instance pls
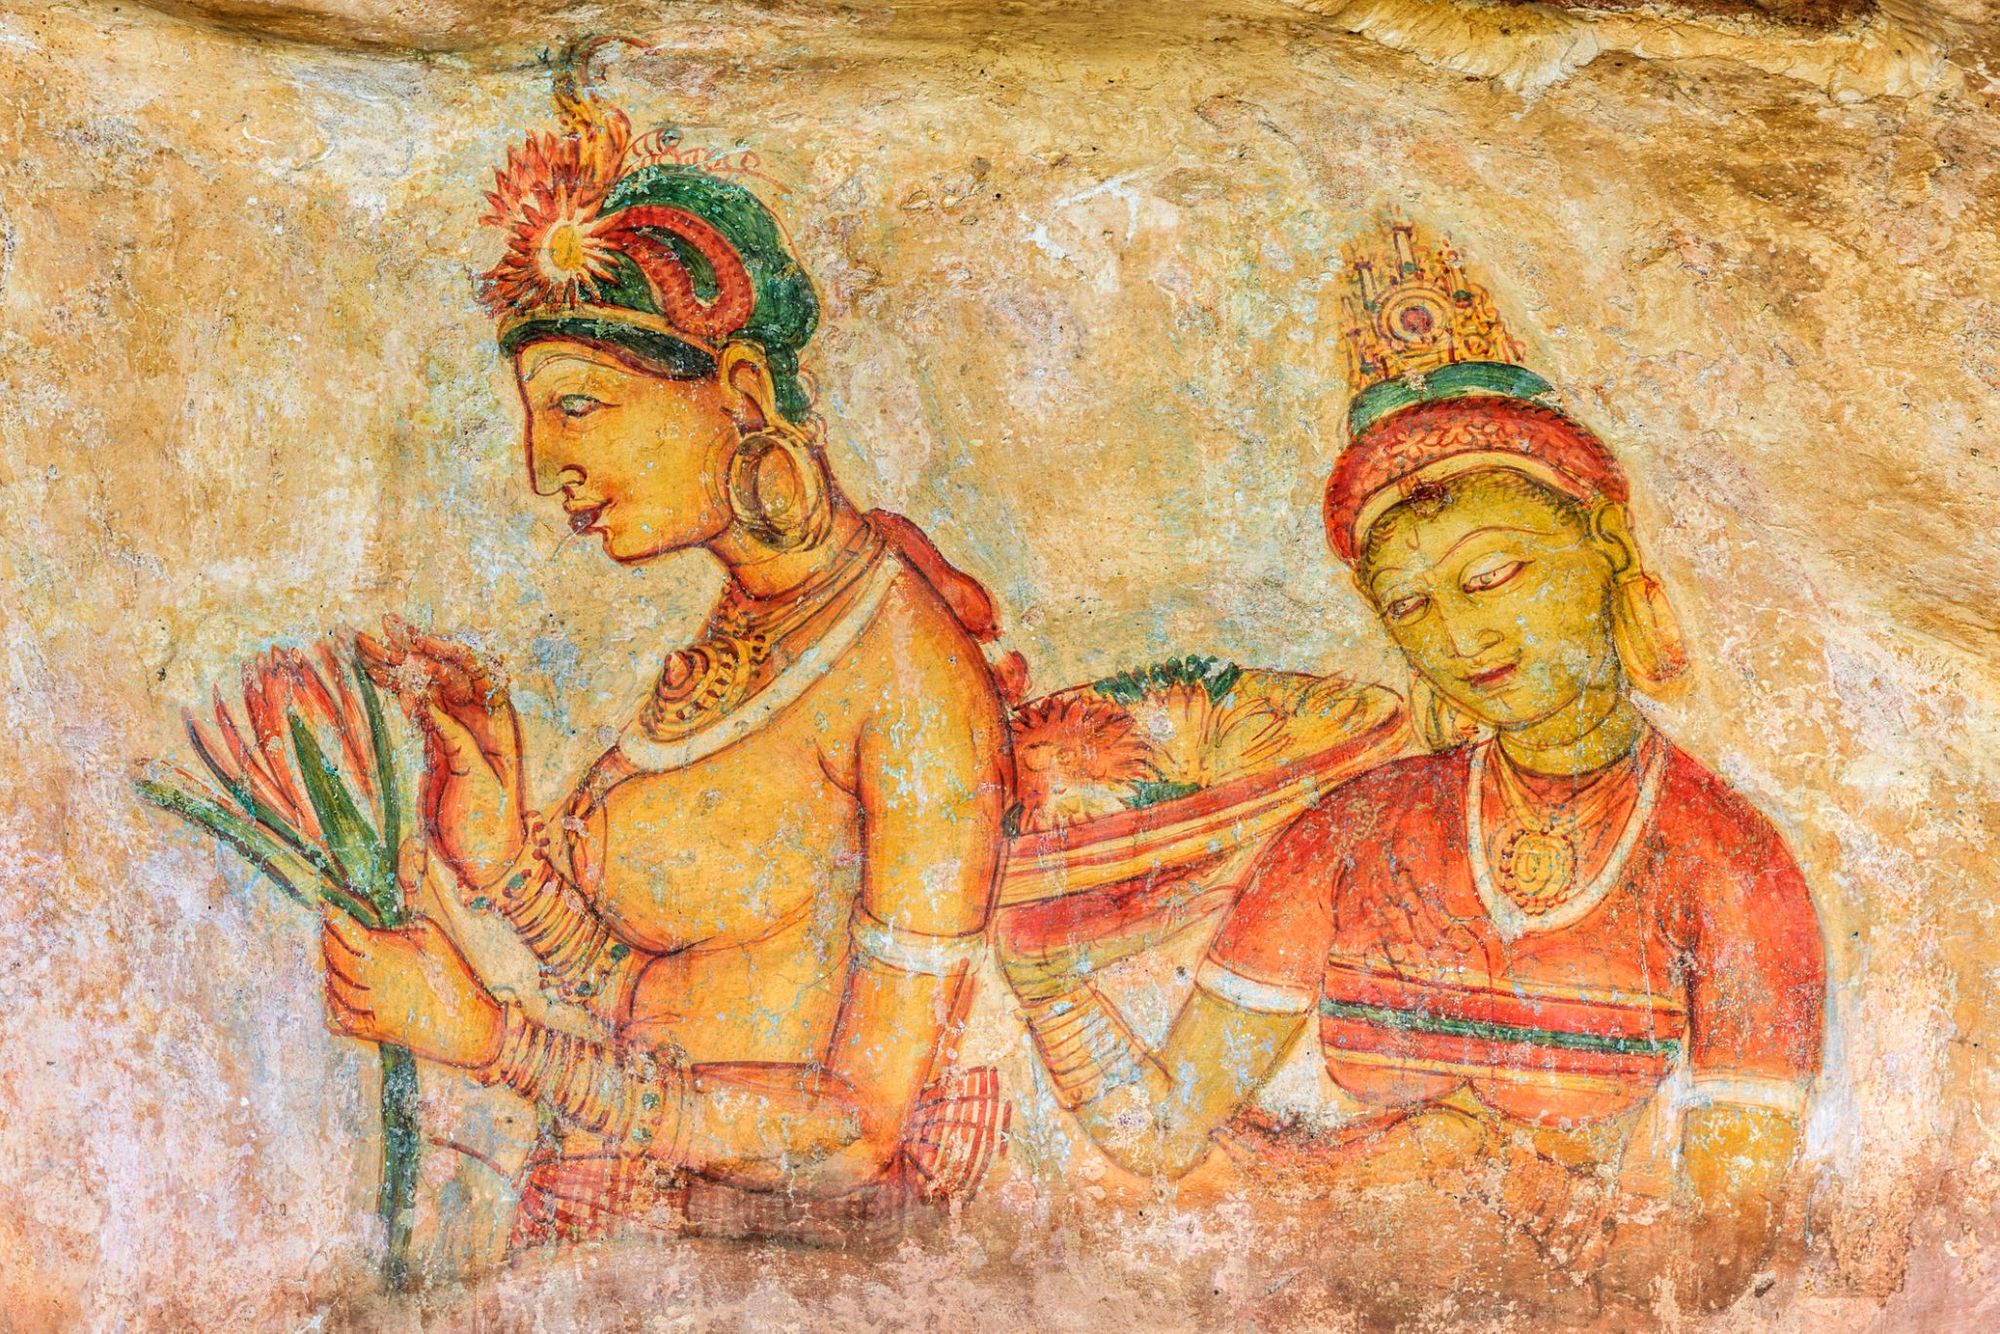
(1498, 594)
(636, 458)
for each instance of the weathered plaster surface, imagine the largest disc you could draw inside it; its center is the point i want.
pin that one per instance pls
(1898, 51)
(1079, 267)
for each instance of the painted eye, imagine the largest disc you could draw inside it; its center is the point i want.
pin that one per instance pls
(1407, 608)
(578, 405)
(1486, 580)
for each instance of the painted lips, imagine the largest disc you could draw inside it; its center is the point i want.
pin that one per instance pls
(1494, 676)
(582, 521)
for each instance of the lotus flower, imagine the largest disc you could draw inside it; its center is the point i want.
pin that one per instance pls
(308, 756)
(549, 199)
(307, 771)
(1075, 759)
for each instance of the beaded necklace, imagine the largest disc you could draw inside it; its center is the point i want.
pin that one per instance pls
(714, 675)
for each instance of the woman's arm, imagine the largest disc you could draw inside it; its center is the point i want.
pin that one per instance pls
(929, 769)
(474, 808)
(1756, 1006)
(929, 772)
(1756, 974)
(1736, 1164)
(1711, 1241)
(571, 942)
(1155, 1112)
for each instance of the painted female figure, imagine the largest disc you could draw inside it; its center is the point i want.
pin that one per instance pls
(1511, 942)
(768, 894)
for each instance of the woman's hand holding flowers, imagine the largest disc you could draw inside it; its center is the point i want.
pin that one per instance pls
(408, 987)
(471, 795)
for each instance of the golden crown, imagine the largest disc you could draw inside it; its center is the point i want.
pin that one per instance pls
(1409, 310)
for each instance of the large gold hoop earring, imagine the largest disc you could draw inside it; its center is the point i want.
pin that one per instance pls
(1439, 724)
(798, 520)
(1646, 633)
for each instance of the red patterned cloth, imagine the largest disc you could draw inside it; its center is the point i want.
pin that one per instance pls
(957, 1128)
(1704, 951)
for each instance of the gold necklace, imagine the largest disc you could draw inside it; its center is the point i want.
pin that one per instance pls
(1535, 859)
(711, 677)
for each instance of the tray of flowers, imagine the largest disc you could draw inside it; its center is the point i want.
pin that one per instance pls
(1165, 782)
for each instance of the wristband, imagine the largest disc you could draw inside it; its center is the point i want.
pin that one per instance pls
(555, 921)
(1087, 1050)
(635, 1098)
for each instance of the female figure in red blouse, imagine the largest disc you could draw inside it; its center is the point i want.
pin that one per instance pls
(1512, 942)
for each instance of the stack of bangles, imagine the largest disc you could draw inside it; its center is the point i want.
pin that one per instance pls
(634, 1098)
(1086, 1048)
(551, 915)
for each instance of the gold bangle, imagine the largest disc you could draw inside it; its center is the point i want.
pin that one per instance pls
(568, 939)
(511, 1065)
(1086, 1049)
(636, 1098)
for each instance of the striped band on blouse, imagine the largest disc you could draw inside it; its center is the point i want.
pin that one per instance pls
(915, 951)
(1462, 1025)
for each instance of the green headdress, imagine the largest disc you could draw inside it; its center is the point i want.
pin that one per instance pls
(616, 241)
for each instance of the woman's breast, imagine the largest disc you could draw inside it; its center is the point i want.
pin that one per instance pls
(775, 999)
(1421, 997)
(726, 852)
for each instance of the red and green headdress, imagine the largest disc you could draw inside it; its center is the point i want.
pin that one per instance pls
(612, 240)
(1440, 392)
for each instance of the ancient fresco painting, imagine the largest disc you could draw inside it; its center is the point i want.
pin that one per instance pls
(1457, 977)
(764, 901)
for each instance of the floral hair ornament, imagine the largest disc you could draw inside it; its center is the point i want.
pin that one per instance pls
(1440, 391)
(611, 240)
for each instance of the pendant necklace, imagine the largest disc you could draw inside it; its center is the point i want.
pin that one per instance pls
(1536, 859)
(1536, 856)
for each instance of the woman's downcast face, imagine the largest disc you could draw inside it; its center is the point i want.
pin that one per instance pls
(635, 458)
(1498, 593)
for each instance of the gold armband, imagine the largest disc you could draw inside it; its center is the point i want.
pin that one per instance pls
(1249, 994)
(1785, 1096)
(916, 951)
(1085, 1046)
(635, 1098)
(555, 921)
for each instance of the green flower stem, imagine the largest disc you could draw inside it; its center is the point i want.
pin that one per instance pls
(355, 847)
(248, 840)
(355, 871)
(392, 903)
(396, 1201)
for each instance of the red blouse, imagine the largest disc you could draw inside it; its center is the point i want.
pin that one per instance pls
(1704, 950)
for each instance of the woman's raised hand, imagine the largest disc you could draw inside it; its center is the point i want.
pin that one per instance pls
(471, 796)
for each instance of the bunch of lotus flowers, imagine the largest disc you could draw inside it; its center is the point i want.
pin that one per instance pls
(308, 781)
(309, 796)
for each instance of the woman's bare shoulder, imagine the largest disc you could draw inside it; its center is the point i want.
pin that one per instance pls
(917, 648)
